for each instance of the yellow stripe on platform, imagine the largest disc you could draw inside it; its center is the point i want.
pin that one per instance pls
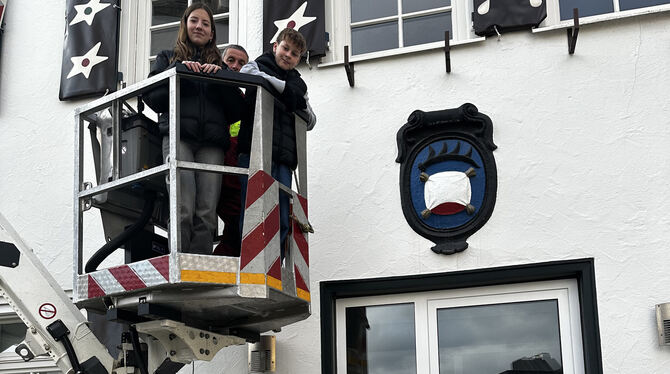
(252, 278)
(274, 283)
(208, 276)
(303, 294)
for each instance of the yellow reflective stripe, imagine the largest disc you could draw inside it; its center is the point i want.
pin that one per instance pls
(274, 282)
(252, 278)
(303, 294)
(208, 276)
(234, 129)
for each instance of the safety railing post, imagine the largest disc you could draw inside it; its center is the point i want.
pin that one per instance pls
(174, 232)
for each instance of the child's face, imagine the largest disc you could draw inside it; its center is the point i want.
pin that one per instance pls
(287, 55)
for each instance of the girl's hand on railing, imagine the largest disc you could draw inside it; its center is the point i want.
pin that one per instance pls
(193, 66)
(210, 68)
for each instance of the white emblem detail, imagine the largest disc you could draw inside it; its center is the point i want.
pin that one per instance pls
(483, 8)
(87, 12)
(295, 21)
(83, 64)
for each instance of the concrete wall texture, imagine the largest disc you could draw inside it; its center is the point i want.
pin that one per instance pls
(582, 165)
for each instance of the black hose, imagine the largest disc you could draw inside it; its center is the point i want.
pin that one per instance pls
(139, 361)
(74, 361)
(112, 245)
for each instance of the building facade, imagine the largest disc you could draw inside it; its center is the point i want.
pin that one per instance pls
(582, 173)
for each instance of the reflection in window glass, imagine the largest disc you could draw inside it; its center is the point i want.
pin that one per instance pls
(500, 339)
(381, 339)
(409, 6)
(634, 4)
(166, 11)
(586, 8)
(221, 31)
(218, 6)
(163, 39)
(373, 38)
(11, 334)
(426, 29)
(362, 10)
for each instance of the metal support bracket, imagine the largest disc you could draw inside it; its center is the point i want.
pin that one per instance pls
(447, 51)
(184, 344)
(573, 31)
(348, 66)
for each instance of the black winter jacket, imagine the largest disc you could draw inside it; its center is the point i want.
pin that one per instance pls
(206, 108)
(283, 132)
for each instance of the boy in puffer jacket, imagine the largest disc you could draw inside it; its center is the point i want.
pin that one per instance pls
(278, 68)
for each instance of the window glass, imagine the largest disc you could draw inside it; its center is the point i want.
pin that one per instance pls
(218, 6)
(500, 338)
(426, 29)
(221, 31)
(170, 11)
(634, 4)
(11, 334)
(373, 38)
(163, 39)
(586, 8)
(166, 11)
(362, 10)
(409, 6)
(381, 339)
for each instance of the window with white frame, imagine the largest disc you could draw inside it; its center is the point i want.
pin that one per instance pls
(377, 28)
(378, 25)
(380, 28)
(166, 15)
(600, 7)
(497, 320)
(499, 329)
(148, 27)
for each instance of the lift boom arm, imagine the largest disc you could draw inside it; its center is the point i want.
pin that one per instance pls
(55, 325)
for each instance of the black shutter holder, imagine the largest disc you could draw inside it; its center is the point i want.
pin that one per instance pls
(348, 66)
(573, 31)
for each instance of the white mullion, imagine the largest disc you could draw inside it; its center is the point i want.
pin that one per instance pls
(422, 334)
(220, 16)
(347, 31)
(617, 8)
(461, 20)
(233, 21)
(164, 26)
(428, 12)
(143, 48)
(373, 21)
(401, 39)
(553, 13)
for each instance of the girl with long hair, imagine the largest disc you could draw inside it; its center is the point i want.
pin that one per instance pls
(206, 108)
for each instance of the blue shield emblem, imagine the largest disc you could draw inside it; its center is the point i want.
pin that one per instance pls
(448, 178)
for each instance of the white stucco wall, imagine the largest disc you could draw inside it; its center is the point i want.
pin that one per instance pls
(582, 165)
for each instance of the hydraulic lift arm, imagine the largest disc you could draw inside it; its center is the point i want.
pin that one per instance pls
(55, 326)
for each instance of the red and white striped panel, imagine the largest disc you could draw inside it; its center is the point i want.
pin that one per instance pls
(300, 242)
(135, 276)
(260, 235)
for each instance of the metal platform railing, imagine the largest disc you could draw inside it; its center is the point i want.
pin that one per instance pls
(257, 291)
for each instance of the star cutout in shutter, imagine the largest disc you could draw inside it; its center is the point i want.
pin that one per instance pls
(86, 12)
(294, 21)
(84, 64)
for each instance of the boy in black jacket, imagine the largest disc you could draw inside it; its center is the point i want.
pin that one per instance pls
(278, 68)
